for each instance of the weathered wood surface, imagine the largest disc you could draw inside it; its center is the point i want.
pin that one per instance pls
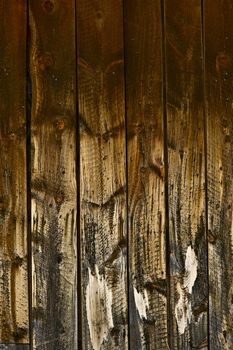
(186, 175)
(53, 174)
(128, 195)
(219, 108)
(146, 202)
(102, 173)
(14, 321)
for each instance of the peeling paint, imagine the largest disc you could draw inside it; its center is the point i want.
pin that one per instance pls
(142, 303)
(99, 308)
(190, 269)
(183, 308)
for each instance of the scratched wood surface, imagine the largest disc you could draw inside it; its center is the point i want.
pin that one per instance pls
(53, 174)
(102, 174)
(14, 320)
(146, 202)
(219, 108)
(116, 162)
(186, 174)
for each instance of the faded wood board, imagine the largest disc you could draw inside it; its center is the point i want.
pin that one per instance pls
(53, 174)
(219, 108)
(186, 175)
(146, 202)
(14, 347)
(102, 174)
(14, 321)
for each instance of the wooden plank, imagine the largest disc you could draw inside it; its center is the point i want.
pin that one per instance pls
(146, 188)
(103, 178)
(14, 346)
(186, 175)
(14, 321)
(219, 107)
(53, 174)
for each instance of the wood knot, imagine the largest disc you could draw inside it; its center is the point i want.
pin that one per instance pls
(45, 61)
(60, 124)
(48, 6)
(223, 62)
(99, 20)
(17, 261)
(19, 333)
(211, 237)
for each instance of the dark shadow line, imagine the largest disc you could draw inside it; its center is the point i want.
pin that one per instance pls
(28, 164)
(166, 175)
(126, 172)
(78, 216)
(206, 161)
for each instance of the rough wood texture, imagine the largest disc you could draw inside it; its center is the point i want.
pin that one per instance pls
(102, 171)
(186, 174)
(53, 182)
(146, 203)
(13, 190)
(219, 108)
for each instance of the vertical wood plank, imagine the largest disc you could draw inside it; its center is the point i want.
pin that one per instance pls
(14, 321)
(186, 174)
(53, 174)
(146, 189)
(219, 108)
(103, 175)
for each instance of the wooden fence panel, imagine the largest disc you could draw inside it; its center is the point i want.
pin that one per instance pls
(14, 321)
(219, 109)
(186, 174)
(146, 189)
(102, 174)
(53, 174)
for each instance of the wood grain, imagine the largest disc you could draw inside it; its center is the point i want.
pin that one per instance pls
(14, 321)
(102, 173)
(219, 108)
(186, 175)
(53, 174)
(146, 203)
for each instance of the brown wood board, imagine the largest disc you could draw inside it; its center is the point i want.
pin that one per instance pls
(102, 174)
(186, 174)
(53, 174)
(146, 188)
(14, 321)
(219, 108)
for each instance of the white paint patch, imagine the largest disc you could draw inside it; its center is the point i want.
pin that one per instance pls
(190, 269)
(142, 303)
(183, 310)
(99, 308)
